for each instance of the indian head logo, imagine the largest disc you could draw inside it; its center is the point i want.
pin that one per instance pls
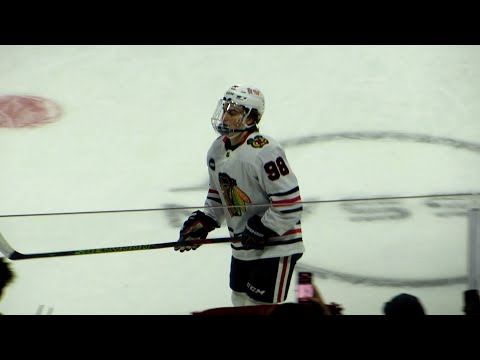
(257, 142)
(235, 198)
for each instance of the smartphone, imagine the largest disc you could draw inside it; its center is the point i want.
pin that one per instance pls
(305, 291)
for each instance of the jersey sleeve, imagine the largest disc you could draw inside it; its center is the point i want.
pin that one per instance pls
(281, 185)
(213, 203)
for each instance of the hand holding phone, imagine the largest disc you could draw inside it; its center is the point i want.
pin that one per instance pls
(305, 290)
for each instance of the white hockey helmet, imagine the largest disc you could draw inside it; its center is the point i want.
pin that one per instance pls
(249, 98)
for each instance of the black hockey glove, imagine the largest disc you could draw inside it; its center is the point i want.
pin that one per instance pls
(256, 234)
(197, 226)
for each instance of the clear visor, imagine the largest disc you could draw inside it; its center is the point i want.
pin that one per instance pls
(229, 118)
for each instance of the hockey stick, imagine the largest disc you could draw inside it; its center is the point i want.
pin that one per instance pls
(12, 254)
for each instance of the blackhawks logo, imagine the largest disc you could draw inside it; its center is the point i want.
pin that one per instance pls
(235, 198)
(257, 142)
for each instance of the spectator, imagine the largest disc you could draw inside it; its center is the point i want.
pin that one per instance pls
(6, 275)
(472, 302)
(314, 307)
(403, 304)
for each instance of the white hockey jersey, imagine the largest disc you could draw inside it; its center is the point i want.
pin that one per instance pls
(251, 178)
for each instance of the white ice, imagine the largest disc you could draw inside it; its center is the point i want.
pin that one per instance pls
(134, 135)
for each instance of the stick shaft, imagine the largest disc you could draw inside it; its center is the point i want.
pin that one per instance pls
(12, 254)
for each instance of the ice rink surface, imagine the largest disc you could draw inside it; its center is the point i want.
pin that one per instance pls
(357, 122)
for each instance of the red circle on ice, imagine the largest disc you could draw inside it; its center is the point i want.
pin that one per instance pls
(27, 111)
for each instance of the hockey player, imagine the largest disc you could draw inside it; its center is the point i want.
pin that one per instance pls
(249, 175)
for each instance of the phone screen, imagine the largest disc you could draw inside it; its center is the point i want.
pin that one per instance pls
(304, 287)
